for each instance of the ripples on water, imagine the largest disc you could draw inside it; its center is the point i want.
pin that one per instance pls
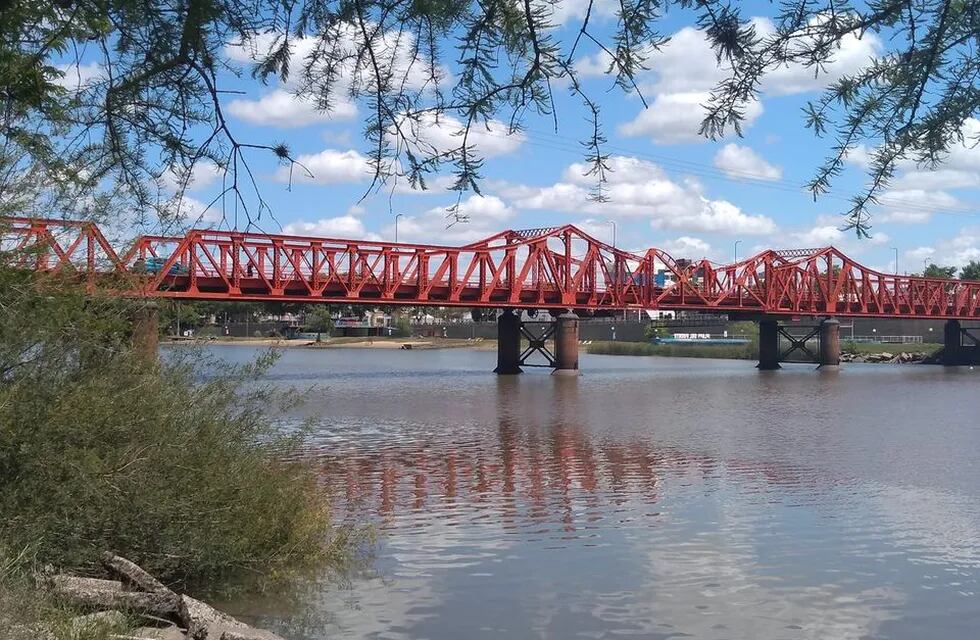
(649, 498)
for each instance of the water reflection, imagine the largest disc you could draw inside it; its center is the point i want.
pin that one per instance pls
(650, 500)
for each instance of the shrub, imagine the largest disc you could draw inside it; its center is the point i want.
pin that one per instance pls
(176, 467)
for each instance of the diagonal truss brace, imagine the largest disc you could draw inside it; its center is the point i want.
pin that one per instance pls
(537, 334)
(798, 344)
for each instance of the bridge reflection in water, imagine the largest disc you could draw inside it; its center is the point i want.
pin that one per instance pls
(650, 499)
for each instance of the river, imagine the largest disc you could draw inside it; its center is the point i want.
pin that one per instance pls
(647, 498)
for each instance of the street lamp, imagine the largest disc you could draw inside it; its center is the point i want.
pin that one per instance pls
(895, 249)
(736, 250)
(613, 223)
(396, 225)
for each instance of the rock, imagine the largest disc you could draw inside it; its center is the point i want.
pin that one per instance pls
(109, 594)
(152, 633)
(203, 621)
(133, 575)
(249, 634)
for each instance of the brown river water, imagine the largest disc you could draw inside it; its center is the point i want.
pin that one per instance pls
(647, 498)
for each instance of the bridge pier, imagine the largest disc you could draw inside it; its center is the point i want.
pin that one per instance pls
(508, 344)
(768, 345)
(566, 344)
(829, 342)
(146, 332)
(955, 353)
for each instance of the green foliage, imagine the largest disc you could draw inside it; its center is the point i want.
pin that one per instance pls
(935, 271)
(971, 271)
(160, 107)
(731, 351)
(318, 319)
(403, 328)
(176, 466)
(653, 331)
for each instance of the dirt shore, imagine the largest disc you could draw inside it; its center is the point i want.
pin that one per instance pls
(335, 343)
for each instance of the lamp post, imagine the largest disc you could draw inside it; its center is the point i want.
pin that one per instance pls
(396, 225)
(613, 223)
(924, 266)
(895, 249)
(736, 250)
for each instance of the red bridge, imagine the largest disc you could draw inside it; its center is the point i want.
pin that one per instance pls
(555, 268)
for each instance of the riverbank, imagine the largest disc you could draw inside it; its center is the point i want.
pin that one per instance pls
(850, 352)
(379, 342)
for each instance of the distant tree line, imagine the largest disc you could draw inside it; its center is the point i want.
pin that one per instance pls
(969, 272)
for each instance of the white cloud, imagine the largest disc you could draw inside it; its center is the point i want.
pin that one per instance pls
(675, 118)
(684, 71)
(560, 13)
(688, 247)
(203, 174)
(190, 211)
(443, 134)
(742, 162)
(287, 106)
(281, 108)
(853, 54)
(913, 206)
(819, 236)
(483, 215)
(346, 226)
(641, 189)
(330, 166)
(79, 76)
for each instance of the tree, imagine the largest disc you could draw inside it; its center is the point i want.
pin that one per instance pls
(318, 319)
(971, 271)
(157, 104)
(935, 271)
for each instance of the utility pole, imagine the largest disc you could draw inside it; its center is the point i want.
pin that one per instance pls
(396, 225)
(736, 250)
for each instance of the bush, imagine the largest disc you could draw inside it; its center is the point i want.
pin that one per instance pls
(170, 465)
(735, 351)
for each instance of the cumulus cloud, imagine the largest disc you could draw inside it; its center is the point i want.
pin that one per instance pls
(284, 109)
(853, 54)
(203, 174)
(78, 76)
(481, 216)
(959, 169)
(743, 163)
(688, 247)
(682, 73)
(440, 135)
(913, 206)
(330, 166)
(957, 251)
(641, 189)
(346, 226)
(674, 118)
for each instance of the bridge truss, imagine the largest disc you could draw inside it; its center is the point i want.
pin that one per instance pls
(551, 268)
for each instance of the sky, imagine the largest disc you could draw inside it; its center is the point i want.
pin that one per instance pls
(669, 187)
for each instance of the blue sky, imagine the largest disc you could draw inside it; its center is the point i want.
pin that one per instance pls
(669, 187)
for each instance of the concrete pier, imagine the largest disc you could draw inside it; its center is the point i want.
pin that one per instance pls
(959, 346)
(566, 344)
(768, 345)
(146, 332)
(508, 344)
(829, 342)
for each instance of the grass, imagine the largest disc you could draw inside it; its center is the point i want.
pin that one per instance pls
(731, 351)
(864, 348)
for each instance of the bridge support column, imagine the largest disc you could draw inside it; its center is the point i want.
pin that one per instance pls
(768, 345)
(508, 344)
(955, 353)
(566, 344)
(830, 342)
(146, 332)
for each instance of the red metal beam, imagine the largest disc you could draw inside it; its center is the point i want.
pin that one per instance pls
(549, 268)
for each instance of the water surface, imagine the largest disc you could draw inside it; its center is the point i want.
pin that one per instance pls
(648, 498)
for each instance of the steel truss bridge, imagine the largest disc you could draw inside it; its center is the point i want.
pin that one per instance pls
(554, 268)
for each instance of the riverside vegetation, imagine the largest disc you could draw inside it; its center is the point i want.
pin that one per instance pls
(178, 465)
